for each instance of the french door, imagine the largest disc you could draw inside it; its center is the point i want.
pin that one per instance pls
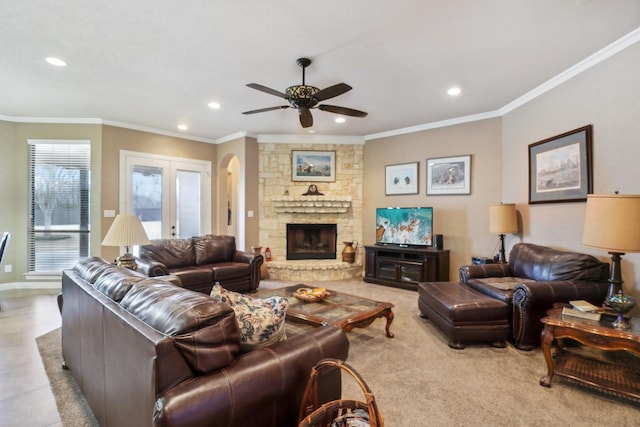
(170, 195)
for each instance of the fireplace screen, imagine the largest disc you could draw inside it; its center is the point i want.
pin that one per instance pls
(311, 241)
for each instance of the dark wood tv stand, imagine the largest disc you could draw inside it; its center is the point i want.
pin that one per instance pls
(404, 267)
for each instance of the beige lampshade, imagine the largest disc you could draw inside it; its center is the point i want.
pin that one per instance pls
(612, 222)
(126, 230)
(503, 219)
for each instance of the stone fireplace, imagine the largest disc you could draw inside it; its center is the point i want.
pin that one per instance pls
(283, 201)
(311, 241)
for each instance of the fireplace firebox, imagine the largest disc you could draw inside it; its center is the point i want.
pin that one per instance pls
(311, 241)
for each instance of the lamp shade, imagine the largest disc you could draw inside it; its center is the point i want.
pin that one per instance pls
(126, 230)
(503, 219)
(612, 222)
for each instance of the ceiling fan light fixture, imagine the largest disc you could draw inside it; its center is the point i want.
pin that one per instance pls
(301, 91)
(305, 97)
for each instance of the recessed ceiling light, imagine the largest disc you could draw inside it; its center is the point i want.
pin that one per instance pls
(340, 120)
(183, 127)
(56, 61)
(312, 131)
(213, 105)
(454, 91)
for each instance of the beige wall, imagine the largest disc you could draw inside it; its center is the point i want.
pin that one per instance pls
(106, 143)
(462, 219)
(9, 212)
(246, 150)
(15, 187)
(606, 96)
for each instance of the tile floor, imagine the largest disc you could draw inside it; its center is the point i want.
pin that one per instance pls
(25, 397)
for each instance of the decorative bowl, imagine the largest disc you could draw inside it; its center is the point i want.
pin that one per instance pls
(311, 294)
(621, 304)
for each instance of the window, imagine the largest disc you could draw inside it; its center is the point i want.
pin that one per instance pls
(59, 182)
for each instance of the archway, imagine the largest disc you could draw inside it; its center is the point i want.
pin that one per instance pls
(230, 196)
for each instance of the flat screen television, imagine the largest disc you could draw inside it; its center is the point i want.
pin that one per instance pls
(404, 226)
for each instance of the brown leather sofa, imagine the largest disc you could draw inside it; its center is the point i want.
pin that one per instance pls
(533, 280)
(145, 352)
(202, 261)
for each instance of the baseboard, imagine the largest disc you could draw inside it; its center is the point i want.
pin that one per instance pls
(30, 285)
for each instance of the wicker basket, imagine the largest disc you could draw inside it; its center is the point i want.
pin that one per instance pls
(314, 415)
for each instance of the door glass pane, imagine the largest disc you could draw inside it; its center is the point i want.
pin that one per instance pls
(147, 198)
(188, 203)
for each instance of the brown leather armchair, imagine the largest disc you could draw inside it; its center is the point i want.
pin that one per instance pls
(199, 262)
(533, 280)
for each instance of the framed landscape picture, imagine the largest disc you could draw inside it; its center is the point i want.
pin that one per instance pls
(401, 179)
(560, 167)
(449, 175)
(313, 166)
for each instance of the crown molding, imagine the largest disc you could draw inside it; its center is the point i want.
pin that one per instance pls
(235, 136)
(434, 125)
(158, 131)
(96, 121)
(310, 139)
(592, 60)
(608, 51)
(58, 120)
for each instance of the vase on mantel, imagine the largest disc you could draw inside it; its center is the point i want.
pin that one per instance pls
(263, 267)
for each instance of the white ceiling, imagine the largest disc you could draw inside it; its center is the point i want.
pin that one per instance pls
(153, 64)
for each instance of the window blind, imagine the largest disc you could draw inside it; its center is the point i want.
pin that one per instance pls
(59, 183)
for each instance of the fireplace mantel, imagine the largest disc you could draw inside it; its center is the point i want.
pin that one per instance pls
(311, 204)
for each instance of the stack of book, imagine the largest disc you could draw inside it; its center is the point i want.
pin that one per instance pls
(583, 309)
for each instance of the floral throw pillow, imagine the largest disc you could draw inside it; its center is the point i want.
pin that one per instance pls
(261, 320)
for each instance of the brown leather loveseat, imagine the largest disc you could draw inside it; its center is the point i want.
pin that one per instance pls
(145, 352)
(202, 261)
(533, 280)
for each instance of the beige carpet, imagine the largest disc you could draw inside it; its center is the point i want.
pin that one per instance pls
(73, 408)
(418, 380)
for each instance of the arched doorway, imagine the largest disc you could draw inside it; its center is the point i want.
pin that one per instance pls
(230, 200)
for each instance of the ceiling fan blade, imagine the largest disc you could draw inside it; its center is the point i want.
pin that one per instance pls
(267, 90)
(306, 119)
(342, 110)
(262, 110)
(332, 91)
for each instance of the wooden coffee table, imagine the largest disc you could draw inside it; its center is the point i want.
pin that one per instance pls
(607, 359)
(338, 308)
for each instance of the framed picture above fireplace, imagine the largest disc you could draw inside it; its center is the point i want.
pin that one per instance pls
(318, 166)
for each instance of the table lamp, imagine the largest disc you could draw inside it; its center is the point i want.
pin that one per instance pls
(503, 220)
(127, 231)
(612, 223)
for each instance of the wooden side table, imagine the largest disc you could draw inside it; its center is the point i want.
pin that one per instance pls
(594, 365)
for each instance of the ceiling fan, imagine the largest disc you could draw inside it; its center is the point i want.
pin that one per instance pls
(304, 97)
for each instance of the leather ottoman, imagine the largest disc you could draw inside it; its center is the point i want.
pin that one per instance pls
(463, 314)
